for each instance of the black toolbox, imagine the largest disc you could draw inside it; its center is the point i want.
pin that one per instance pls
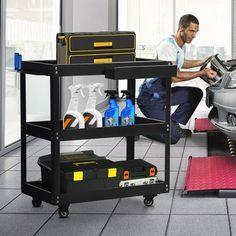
(81, 171)
(96, 47)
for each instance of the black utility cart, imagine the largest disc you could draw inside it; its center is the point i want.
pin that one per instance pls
(52, 130)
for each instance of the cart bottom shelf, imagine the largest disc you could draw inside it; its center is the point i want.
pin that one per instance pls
(35, 189)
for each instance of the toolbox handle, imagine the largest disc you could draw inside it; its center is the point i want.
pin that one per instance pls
(102, 44)
(102, 60)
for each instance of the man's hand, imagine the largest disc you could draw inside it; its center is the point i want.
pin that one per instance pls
(209, 73)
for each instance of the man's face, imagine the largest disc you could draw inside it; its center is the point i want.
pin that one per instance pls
(189, 33)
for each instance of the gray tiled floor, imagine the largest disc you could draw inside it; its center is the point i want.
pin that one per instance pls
(171, 214)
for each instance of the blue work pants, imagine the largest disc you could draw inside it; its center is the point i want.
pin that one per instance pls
(151, 101)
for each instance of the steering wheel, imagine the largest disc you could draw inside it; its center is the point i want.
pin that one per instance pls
(203, 66)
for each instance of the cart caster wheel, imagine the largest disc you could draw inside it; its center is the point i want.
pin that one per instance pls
(63, 211)
(148, 201)
(36, 202)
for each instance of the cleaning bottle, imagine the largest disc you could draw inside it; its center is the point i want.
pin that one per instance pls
(111, 115)
(73, 119)
(127, 114)
(92, 117)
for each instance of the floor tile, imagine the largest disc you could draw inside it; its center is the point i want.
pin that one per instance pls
(104, 141)
(135, 205)
(136, 225)
(75, 224)
(195, 225)
(142, 141)
(195, 152)
(74, 142)
(47, 150)
(173, 176)
(32, 164)
(12, 179)
(232, 206)
(120, 150)
(180, 143)
(155, 151)
(8, 162)
(101, 207)
(20, 224)
(23, 204)
(31, 149)
(7, 195)
(181, 180)
(198, 205)
(39, 142)
(184, 164)
(197, 140)
(14, 153)
(160, 163)
(116, 158)
(233, 224)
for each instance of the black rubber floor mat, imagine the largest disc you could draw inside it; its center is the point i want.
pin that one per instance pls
(217, 144)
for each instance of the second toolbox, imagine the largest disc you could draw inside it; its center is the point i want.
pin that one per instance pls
(97, 47)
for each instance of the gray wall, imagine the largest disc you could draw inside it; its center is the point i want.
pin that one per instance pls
(87, 16)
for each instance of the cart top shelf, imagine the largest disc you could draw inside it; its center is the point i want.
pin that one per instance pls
(144, 68)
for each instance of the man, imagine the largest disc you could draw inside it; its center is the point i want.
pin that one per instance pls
(151, 99)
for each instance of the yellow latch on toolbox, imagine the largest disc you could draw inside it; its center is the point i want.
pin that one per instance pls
(102, 60)
(112, 172)
(78, 176)
(102, 44)
(61, 37)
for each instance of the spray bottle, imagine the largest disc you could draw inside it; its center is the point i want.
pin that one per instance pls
(73, 119)
(128, 114)
(92, 117)
(111, 115)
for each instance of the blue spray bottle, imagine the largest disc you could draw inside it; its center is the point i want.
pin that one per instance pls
(128, 113)
(111, 115)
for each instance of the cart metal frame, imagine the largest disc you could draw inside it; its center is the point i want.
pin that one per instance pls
(52, 130)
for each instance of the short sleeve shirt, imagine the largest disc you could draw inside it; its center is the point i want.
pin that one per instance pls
(169, 50)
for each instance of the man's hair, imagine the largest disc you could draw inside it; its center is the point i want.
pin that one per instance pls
(185, 20)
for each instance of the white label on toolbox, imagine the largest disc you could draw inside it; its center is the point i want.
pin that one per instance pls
(136, 182)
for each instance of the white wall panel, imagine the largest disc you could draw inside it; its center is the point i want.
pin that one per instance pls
(87, 16)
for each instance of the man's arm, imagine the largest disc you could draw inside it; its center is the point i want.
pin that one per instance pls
(193, 63)
(188, 75)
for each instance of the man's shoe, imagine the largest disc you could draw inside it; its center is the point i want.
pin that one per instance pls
(184, 133)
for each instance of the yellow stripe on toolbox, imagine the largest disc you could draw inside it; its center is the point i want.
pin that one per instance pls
(84, 163)
(112, 172)
(102, 44)
(78, 176)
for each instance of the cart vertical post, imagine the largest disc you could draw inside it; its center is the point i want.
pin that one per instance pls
(23, 130)
(55, 139)
(167, 134)
(130, 139)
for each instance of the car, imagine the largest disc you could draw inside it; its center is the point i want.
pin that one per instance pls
(221, 95)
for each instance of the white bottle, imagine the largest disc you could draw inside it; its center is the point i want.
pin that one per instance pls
(73, 119)
(92, 117)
